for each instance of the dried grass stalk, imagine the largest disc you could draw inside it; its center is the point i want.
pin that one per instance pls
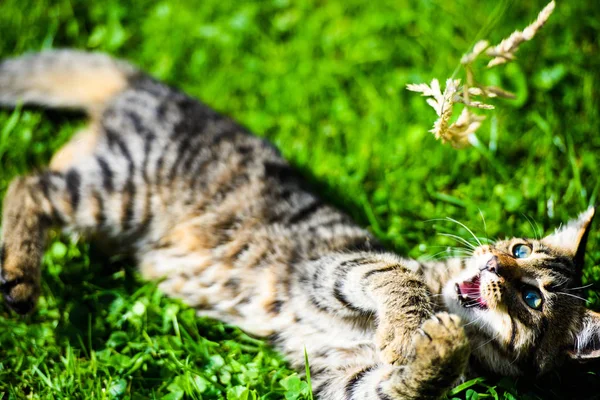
(506, 49)
(477, 50)
(460, 132)
(443, 103)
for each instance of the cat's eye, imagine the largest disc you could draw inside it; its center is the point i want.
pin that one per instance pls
(521, 251)
(532, 297)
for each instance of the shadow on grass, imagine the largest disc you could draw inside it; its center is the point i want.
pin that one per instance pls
(99, 322)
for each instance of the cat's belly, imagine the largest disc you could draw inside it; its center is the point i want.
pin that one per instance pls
(262, 301)
(251, 296)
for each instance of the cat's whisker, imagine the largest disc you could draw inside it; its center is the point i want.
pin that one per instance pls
(489, 341)
(581, 287)
(466, 227)
(454, 250)
(471, 303)
(459, 239)
(444, 255)
(487, 240)
(572, 295)
(534, 228)
(514, 360)
(451, 247)
(435, 257)
(474, 321)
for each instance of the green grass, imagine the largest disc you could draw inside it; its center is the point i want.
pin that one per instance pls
(325, 81)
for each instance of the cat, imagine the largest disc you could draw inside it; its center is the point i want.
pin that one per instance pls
(235, 232)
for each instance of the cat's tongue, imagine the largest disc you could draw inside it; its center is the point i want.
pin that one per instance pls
(471, 294)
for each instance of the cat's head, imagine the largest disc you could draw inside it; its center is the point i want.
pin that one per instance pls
(520, 304)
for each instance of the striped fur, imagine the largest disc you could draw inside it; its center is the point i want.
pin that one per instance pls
(234, 231)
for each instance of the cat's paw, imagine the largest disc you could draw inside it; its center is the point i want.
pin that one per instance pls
(441, 341)
(19, 279)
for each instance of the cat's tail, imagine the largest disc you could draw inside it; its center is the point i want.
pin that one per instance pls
(63, 78)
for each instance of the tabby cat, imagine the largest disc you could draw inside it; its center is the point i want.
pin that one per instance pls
(233, 230)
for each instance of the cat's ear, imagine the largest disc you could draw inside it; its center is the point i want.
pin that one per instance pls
(586, 345)
(572, 237)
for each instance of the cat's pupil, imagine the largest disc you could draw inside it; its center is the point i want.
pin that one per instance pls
(521, 251)
(533, 298)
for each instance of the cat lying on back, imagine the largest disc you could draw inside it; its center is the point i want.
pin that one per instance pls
(233, 230)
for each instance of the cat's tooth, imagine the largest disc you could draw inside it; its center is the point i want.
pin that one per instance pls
(457, 289)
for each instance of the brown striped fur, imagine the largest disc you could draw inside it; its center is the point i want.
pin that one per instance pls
(233, 230)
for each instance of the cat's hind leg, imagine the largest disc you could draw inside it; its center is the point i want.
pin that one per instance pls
(70, 195)
(58, 78)
(31, 206)
(81, 145)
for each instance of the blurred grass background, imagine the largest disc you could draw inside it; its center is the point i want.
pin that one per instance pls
(325, 81)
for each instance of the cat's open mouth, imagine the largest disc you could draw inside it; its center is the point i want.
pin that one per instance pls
(469, 294)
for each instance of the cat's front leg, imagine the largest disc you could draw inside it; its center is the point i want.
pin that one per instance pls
(373, 284)
(439, 357)
(441, 354)
(404, 304)
(431, 350)
(420, 353)
(380, 285)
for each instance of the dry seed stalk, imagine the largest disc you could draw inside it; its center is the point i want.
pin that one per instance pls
(460, 132)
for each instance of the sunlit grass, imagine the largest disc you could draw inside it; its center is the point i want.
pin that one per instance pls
(325, 82)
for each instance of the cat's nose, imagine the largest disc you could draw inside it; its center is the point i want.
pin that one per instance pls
(491, 265)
